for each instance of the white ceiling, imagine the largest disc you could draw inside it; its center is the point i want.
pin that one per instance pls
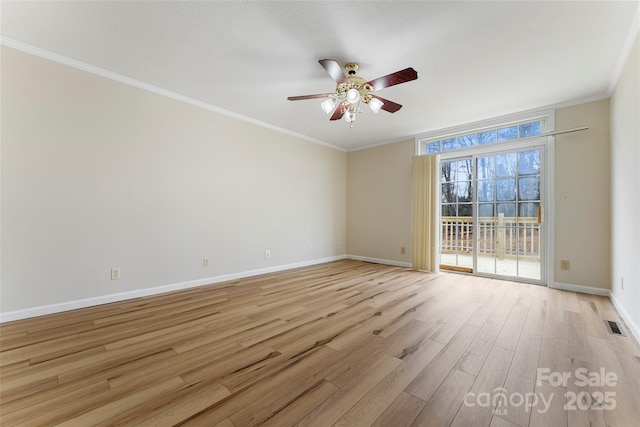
(475, 60)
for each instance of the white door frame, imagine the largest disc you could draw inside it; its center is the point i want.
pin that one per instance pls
(546, 198)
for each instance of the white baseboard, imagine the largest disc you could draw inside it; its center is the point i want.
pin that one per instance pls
(580, 288)
(633, 327)
(106, 299)
(380, 261)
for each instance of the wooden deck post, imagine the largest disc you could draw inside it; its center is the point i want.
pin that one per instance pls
(500, 236)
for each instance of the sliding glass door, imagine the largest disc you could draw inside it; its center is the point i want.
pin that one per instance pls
(456, 196)
(491, 214)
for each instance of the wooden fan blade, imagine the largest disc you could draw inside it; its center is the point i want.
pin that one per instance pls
(392, 79)
(337, 115)
(301, 97)
(387, 105)
(335, 70)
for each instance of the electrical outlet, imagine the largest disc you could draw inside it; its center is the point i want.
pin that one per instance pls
(622, 283)
(403, 250)
(205, 262)
(565, 265)
(115, 274)
(267, 254)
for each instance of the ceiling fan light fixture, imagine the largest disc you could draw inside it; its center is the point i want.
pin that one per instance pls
(353, 96)
(375, 104)
(350, 116)
(352, 90)
(328, 105)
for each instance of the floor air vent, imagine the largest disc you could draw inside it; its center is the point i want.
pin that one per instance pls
(614, 328)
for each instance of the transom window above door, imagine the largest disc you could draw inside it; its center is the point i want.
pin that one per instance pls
(494, 132)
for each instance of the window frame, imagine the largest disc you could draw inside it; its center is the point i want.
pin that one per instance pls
(546, 117)
(548, 213)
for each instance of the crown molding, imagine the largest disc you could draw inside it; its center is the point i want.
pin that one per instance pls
(43, 53)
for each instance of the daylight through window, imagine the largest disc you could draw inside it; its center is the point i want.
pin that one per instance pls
(495, 135)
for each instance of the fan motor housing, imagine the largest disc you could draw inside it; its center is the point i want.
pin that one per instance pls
(358, 83)
(351, 68)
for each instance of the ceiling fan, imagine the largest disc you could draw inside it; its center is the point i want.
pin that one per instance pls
(351, 90)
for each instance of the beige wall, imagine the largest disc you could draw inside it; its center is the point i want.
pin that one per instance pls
(582, 223)
(379, 202)
(379, 198)
(625, 189)
(98, 174)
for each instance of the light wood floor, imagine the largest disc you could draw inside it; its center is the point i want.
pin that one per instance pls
(346, 343)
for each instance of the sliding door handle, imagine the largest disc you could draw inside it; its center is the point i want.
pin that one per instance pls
(539, 214)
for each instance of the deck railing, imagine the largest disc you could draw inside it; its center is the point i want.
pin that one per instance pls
(504, 237)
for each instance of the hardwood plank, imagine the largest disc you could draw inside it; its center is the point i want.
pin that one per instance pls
(570, 302)
(215, 332)
(344, 343)
(218, 368)
(508, 301)
(384, 316)
(144, 373)
(488, 304)
(111, 408)
(453, 325)
(630, 365)
(605, 308)
(550, 399)
(555, 305)
(404, 342)
(547, 408)
(501, 422)
(11, 415)
(374, 403)
(442, 408)
(304, 370)
(301, 406)
(491, 376)
(425, 384)
(347, 396)
(475, 356)
(585, 416)
(626, 411)
(401, 412)
(353, 363)
(323, 331)
(25, 353)
(284, 390)
(576, 344)
(33, 397)
(510, 333)
(186, 407)
(553, 347)
(521, 379)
